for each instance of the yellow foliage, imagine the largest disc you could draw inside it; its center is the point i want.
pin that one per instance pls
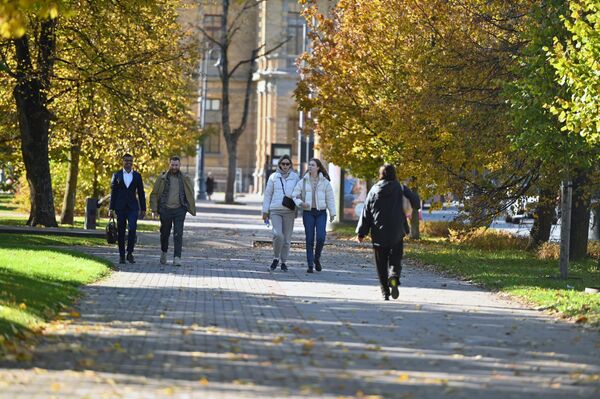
(483, 238)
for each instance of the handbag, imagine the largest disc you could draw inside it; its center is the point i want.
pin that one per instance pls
(111, 231)
(287, 201)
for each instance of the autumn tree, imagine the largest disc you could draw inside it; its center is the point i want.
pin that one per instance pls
(120, 82)
(576, 60)
(416, 84)
(234, 21)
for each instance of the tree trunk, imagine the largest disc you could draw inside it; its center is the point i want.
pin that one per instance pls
(68, 209)
(580, 218)
(596, 226)
(231, 166)
(95, 183)
(30, 95)
(542, 219)
(415, 234)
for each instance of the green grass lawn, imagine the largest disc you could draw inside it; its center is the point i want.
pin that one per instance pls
(6, 202)
(515, 272)
(10, 217)
(518, 273)
(10, 240)
(37, 281)
(7, 219)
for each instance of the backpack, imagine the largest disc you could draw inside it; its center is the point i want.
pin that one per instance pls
(406, 205)
(408, 210)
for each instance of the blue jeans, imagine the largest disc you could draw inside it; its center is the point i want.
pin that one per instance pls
(314, 220)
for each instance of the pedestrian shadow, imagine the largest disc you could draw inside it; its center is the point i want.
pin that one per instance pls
(236, 341)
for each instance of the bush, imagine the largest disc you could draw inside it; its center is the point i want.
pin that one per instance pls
(435, 229)
(483, 238)
(551, 250)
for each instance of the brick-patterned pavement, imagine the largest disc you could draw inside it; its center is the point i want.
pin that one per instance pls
(223, 326)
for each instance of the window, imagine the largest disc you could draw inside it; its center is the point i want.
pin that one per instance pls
(295, 33)
(212, 26)
(213, 104)
(212, 139)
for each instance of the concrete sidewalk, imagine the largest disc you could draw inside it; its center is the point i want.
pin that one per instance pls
(223, 326)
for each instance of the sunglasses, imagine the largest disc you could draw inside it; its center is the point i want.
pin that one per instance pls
(285, 164)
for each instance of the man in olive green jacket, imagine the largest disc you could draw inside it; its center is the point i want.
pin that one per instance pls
(172, 197)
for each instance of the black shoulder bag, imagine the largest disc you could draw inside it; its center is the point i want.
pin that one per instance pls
(111, 231)
(287, 201)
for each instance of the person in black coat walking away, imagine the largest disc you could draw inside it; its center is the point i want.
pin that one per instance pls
(210, 186)
(124, 186)
(383, 215)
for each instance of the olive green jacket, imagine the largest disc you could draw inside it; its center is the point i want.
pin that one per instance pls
(159, 187)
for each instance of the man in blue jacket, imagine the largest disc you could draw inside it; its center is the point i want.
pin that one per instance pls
(124, 186)
(383, 215)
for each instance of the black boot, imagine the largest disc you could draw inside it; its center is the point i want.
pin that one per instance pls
(318, 265)
(130, 258)
(385, 291)
(122, 259)
(309, 270)
(274, 264)
(284, 267)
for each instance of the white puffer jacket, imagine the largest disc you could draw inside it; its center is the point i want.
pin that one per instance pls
(325, 198)
(274, 191)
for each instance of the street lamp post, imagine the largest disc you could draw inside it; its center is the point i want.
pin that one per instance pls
(200, 186)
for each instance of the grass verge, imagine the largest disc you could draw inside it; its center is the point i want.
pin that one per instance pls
(7, 219)
(513, 271)
(37, 281)
(518, 273)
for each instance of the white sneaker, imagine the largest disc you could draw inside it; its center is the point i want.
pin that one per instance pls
(176, 261)
(163, 258)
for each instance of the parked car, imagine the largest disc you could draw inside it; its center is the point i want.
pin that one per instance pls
(524, 209)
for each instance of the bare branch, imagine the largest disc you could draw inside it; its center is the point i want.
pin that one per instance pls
(210, 38)
(248, 4)
(237, 132)
(255, 55)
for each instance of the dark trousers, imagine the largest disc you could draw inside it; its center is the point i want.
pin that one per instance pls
(389, 262)
(172, 217)
(126, 219)
(314, 222)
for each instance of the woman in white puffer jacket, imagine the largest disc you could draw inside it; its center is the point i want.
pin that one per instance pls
(314, 195)
(281, 183)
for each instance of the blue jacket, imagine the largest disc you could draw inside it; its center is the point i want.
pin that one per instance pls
(123, 197)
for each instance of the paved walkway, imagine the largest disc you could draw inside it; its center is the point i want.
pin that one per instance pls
(222, 326)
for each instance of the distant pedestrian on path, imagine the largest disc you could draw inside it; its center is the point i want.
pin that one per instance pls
(172, 197)
(210, 186)
(383, 215)
(280, 185)
(123, 201)
(314, 194)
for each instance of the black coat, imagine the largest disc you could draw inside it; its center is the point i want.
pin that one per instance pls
(123, 197)
(383, 214)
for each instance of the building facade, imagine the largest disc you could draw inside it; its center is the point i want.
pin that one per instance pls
(273, 129)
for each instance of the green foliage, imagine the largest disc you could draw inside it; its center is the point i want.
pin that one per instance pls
(577, 62)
